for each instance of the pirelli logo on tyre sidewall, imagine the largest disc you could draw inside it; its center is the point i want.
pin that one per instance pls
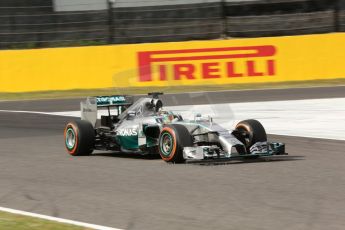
(207, 63)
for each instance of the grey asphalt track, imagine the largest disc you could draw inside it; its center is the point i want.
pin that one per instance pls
(304, 190)
(54, 105)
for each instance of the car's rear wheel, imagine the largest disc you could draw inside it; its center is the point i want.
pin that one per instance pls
(79, 138)
(252, 131)
(172, 139)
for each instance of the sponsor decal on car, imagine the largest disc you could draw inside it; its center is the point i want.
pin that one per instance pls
(127, 132)
(110, 100)
(207, 63)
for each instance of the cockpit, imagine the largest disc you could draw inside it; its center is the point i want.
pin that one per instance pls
(148, 107)
(142, 108)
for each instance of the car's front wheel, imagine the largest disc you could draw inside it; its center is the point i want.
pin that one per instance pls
(172, 139)
(79, 138)
(253, 132)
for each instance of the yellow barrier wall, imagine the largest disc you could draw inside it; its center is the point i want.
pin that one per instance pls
(277, 59)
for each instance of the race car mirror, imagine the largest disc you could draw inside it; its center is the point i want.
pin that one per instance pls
(130, 115)
(197, 117)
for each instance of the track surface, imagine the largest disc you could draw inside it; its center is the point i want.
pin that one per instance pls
(302, 191)
(54, 105)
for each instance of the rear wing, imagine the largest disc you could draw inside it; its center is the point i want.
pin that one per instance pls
(89, 107)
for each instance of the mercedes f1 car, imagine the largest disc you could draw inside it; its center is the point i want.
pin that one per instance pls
(144, 127)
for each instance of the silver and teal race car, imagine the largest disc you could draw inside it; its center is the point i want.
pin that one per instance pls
(144, 127)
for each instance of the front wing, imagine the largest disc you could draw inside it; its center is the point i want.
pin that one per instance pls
(260, 149)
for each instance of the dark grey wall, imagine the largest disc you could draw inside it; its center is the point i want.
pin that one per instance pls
(35, 23)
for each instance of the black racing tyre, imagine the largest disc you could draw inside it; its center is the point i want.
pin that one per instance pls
(172, 139)
(254, 131)
(79, 138)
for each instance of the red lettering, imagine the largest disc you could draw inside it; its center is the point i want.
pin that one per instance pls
(186, 70)
(147, 59)
(231, 70)
(162, 72)
(271, 71)
(144, 61)
(210, 70)
(251, 70)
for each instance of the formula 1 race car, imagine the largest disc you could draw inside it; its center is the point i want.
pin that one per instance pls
(144, 127)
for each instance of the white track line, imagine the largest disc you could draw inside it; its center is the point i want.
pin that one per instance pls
(60, 220)
(22, 111)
